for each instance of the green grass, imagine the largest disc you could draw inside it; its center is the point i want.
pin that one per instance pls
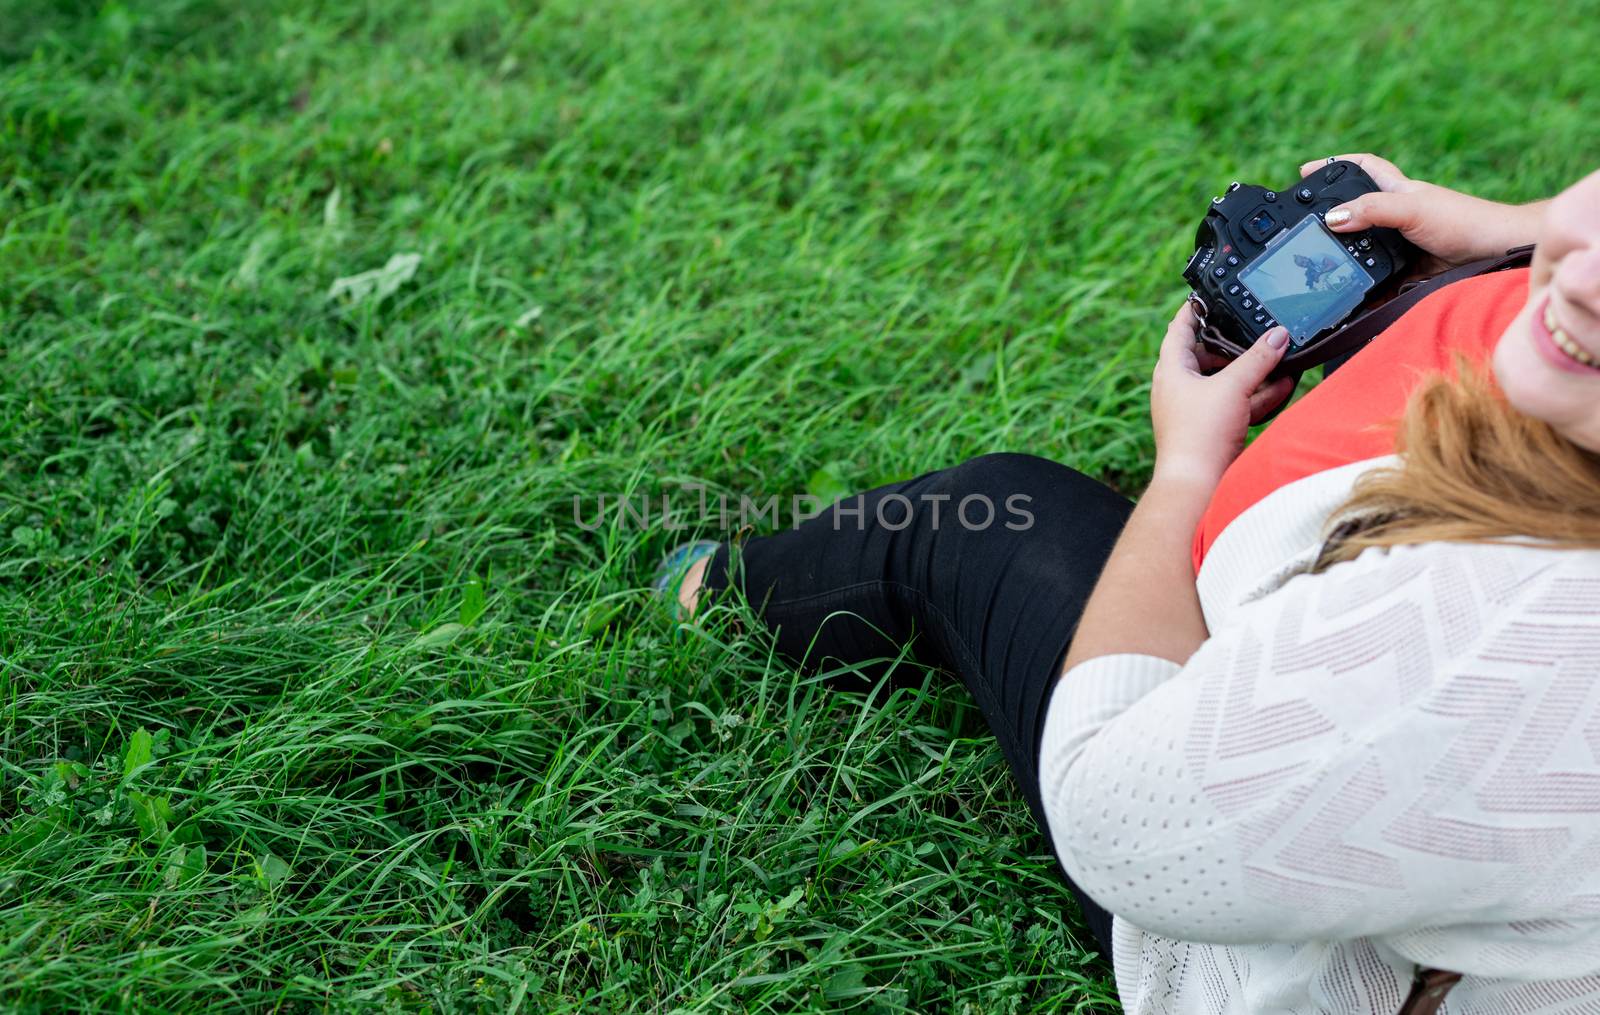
(313, 696)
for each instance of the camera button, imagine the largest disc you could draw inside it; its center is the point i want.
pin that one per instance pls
(1271, 195)
(1249, 304)
(1305, 195)
(1334, 171)
(1259, 318)
(1365, 243)
(1233, 290)
(1233, 260)
(1220, 272)
(1370, 262)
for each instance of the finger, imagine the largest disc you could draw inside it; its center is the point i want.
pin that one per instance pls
(1384, 173)
(1178, 345)
(1392, 210)
(1269, 397)
(1248, 371)
(1182, 328)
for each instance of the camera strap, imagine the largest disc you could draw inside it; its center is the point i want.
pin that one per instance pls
(1365, 328)
(1428, 986)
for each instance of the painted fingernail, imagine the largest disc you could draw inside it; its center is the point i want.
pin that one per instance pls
(1338, 217)
(1278, 337)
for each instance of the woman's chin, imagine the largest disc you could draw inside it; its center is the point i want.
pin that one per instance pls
(1535, 388)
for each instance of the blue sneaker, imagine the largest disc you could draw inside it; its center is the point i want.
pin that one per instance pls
(674, 567)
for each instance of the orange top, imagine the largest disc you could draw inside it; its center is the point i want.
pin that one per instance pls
(1350, 416)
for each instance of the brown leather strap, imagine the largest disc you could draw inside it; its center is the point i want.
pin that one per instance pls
(1428, 988)
(1367, 326)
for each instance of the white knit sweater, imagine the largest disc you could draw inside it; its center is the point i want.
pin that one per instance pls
(1392, 763)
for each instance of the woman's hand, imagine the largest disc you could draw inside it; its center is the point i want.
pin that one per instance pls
(1145, 602)
(1201, 421)
(1453, 227)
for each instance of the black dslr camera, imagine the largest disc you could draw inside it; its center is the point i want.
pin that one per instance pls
(1264, 257)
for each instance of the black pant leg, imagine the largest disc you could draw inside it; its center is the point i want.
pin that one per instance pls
(984, 568)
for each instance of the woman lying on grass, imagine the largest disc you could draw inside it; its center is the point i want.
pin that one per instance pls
(1331, 715)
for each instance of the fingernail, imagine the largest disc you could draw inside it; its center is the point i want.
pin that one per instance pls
(1278, 337)
(1338, 217)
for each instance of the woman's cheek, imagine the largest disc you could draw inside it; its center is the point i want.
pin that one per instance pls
(1536, 389)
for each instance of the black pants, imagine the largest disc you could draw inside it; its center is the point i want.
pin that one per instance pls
(984, 568)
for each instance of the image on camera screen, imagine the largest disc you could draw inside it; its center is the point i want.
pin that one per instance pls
(1307, 280)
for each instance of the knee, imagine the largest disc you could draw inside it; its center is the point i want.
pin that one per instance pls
(1017, 485)
(985, 492)
(1003, 473)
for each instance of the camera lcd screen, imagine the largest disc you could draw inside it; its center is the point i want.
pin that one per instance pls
(1307, 280)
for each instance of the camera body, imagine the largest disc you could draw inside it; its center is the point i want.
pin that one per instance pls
(1264, 257)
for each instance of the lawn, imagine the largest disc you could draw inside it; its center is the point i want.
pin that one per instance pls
(318, 688)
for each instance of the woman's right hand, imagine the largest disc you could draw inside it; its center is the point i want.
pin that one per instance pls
(1453, 227)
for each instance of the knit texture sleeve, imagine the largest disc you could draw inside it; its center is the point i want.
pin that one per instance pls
(1384, 748)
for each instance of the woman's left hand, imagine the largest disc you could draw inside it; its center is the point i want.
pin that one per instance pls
(1201, 421)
